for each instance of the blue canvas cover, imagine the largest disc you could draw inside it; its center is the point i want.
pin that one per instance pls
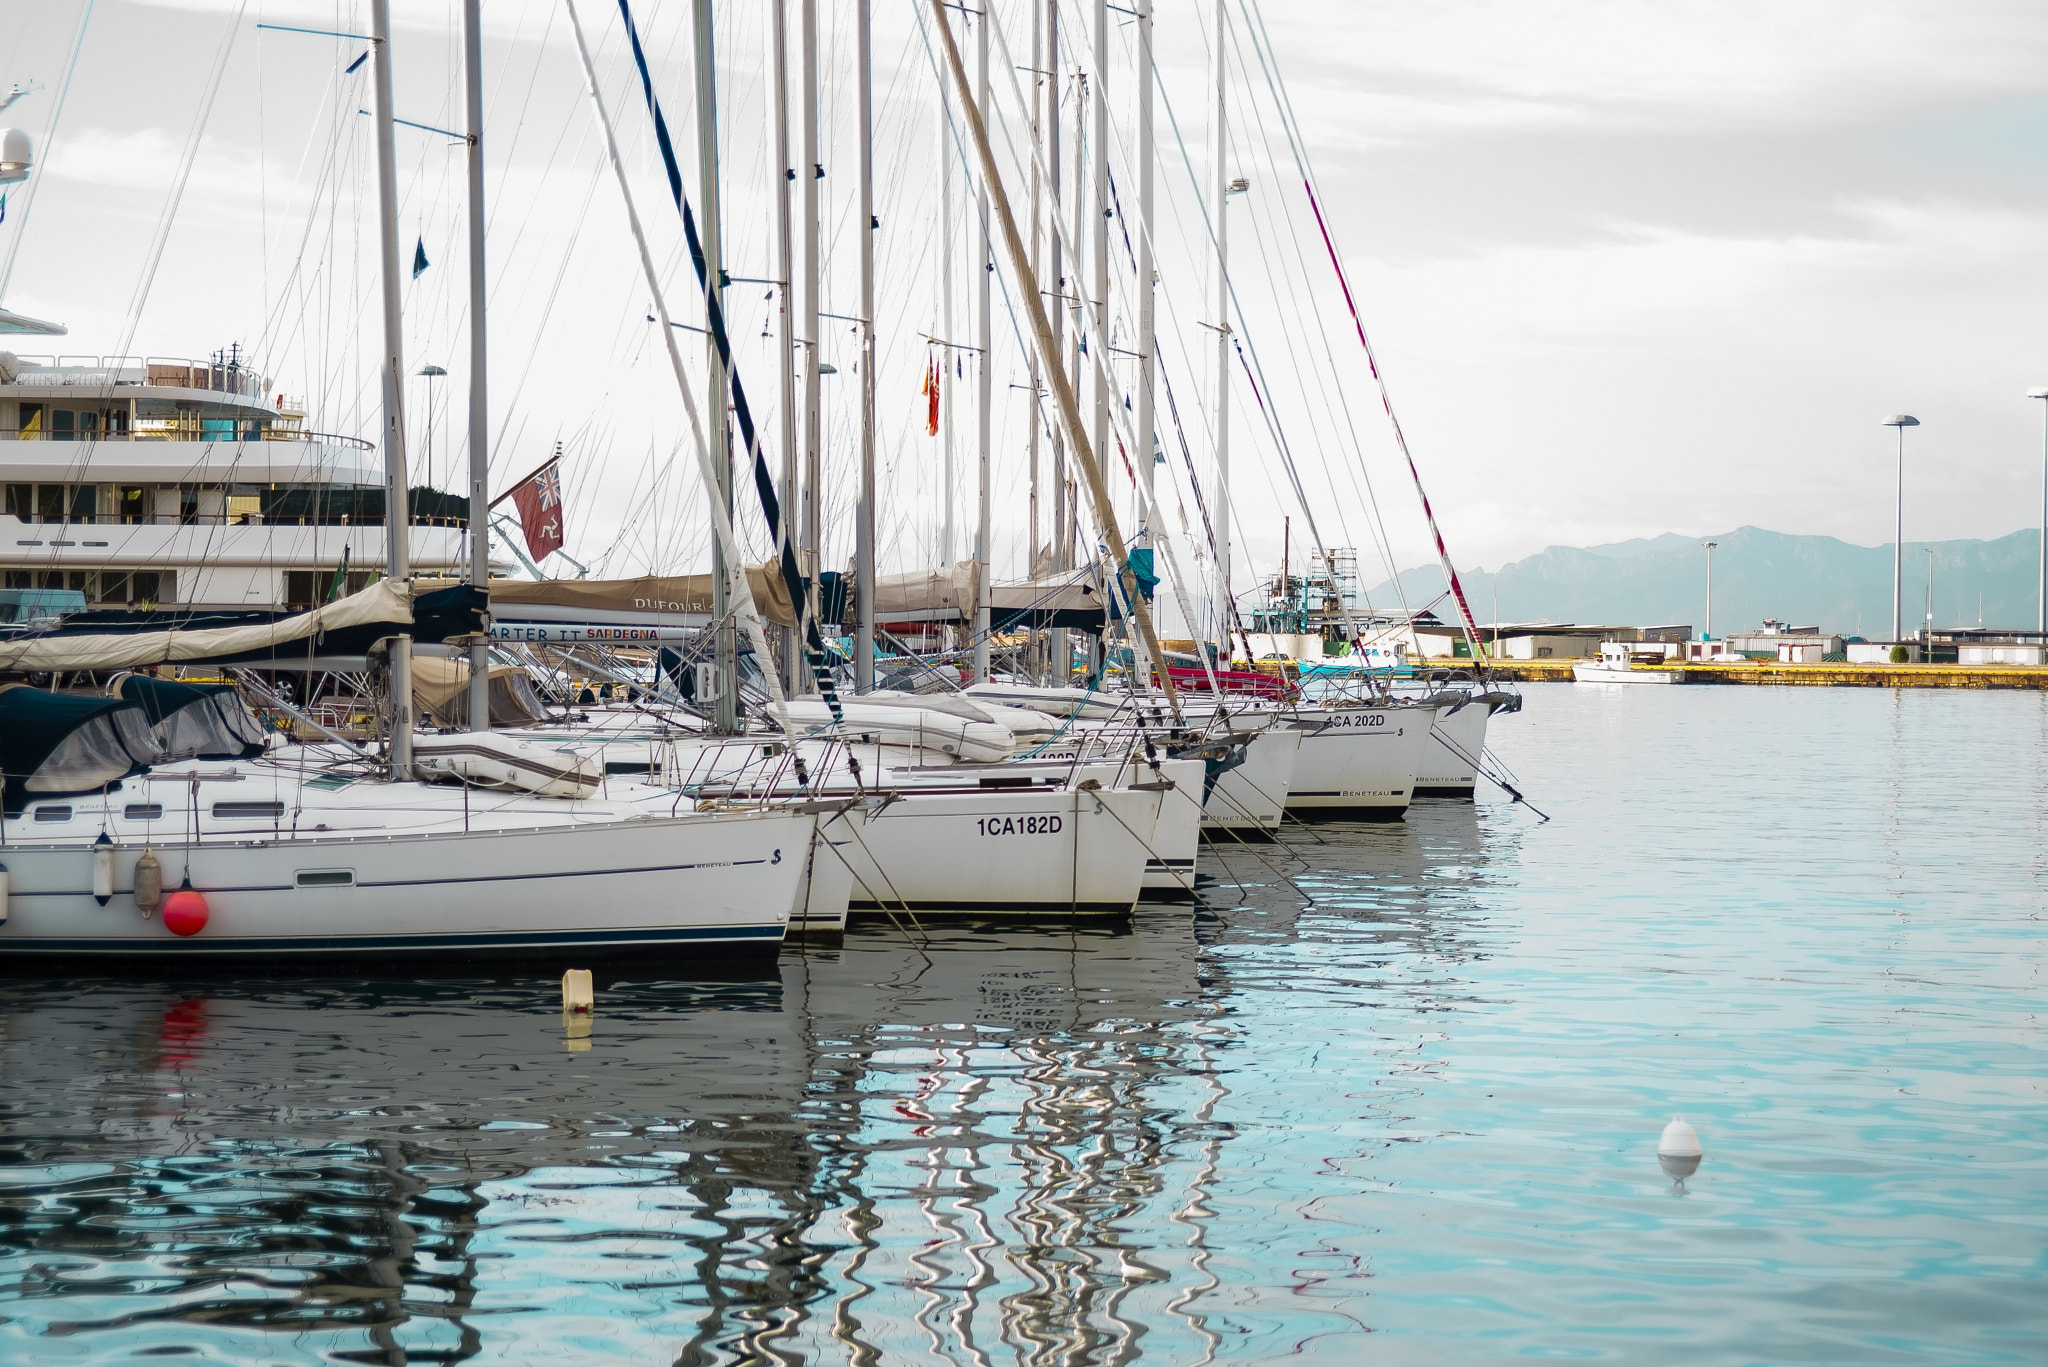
(58, 744)
(195, 722)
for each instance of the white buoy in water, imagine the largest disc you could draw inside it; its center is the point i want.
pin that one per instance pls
(1678, 1150)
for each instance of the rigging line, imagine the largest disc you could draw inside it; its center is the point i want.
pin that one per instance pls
(1243, 330)
(1372, 362)
(77, 466)
(1268, 233)
(1269, 65)
(49, 141)
(714, 317)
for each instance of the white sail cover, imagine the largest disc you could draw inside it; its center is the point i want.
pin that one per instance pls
(386, 600)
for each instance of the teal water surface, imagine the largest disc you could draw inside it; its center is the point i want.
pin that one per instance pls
(1391, 1095)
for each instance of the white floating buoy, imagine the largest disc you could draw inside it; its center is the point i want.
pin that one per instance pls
(1678, 1150)
(103, 869)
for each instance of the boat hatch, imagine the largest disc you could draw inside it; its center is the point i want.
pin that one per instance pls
(143, 811)
(247, 811)
(327, 878)
(53, 813)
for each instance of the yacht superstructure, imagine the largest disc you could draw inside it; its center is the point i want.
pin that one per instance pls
(147, 482)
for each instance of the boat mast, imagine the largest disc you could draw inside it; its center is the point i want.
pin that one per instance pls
(1147, 324)
(1059, 661)
(397, 550)
(864, 512)
(1219, 141)
(811, 548)
(1098, 248)
(725, 718)
(479, 408)
(792, 638)
(986, 264)
(948, 481)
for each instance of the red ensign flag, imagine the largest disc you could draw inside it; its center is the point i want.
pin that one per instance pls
(540, 511)
(931, 393)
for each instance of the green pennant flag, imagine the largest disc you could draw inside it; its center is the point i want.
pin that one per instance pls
(419, 257)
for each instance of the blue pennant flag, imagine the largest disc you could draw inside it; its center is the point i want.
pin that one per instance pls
(3, 206)
(419, 258)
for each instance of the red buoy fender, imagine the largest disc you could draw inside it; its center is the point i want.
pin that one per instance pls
(185, 912)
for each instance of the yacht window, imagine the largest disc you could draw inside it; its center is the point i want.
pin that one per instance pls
(62, 421)
(53, 813)
(327, 878)
(31, 428)
(247, 811)
(21, 502)
(85, 500)
(113, 587)
(143, 811)
(131, 502)
(49, 502)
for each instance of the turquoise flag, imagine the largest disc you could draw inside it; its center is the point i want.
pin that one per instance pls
(419, 258)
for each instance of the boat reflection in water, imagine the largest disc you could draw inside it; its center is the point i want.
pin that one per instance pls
(1001, 1147)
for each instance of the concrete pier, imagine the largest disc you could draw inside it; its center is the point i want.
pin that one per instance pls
(1818, 675)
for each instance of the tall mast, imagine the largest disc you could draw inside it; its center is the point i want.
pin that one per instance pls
(479, 408)
(725, 720)
(1220, 138)
(792, 643)
(1098, 247)
(985, 265)
(864, 511)
(948, 483)
(1037, 263)
(397, 547)
(811, 547)
(1147, 324)
(1058, 658)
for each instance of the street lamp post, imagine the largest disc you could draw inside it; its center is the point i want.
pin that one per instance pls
(1707, 633)
(2041, 622)
(1901, 421)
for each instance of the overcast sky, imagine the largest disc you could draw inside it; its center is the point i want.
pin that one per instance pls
(1630, 268)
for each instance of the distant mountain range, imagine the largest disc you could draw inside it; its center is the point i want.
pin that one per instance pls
(1806, 580)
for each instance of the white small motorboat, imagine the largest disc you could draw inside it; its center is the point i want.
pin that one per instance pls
(1618, 663)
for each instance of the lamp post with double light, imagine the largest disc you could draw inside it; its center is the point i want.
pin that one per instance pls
(1901, 421)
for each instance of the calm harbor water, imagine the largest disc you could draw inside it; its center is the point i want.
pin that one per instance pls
(1392, 1096)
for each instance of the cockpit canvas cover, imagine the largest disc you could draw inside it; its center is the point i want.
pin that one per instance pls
(54, 744)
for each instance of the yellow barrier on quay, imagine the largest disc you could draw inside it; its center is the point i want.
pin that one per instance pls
(1811, 675)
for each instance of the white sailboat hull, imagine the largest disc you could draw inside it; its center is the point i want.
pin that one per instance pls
(1005, 852)
(1251, 798)
(684, 886)
(1450, 762)
(1358, 763)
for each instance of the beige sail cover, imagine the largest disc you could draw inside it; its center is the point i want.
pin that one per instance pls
(384, 601)
(440, 691)
(928, 595)
(656, 595)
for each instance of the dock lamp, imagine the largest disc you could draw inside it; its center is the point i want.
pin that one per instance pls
(2042, 623)
(1902, 421)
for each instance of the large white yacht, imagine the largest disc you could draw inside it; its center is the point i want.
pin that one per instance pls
(149, 482)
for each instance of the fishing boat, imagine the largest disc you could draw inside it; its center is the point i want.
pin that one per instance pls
(1618, 662)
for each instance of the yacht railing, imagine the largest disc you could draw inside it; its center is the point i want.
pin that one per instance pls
(189, 431)
(101, 372)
